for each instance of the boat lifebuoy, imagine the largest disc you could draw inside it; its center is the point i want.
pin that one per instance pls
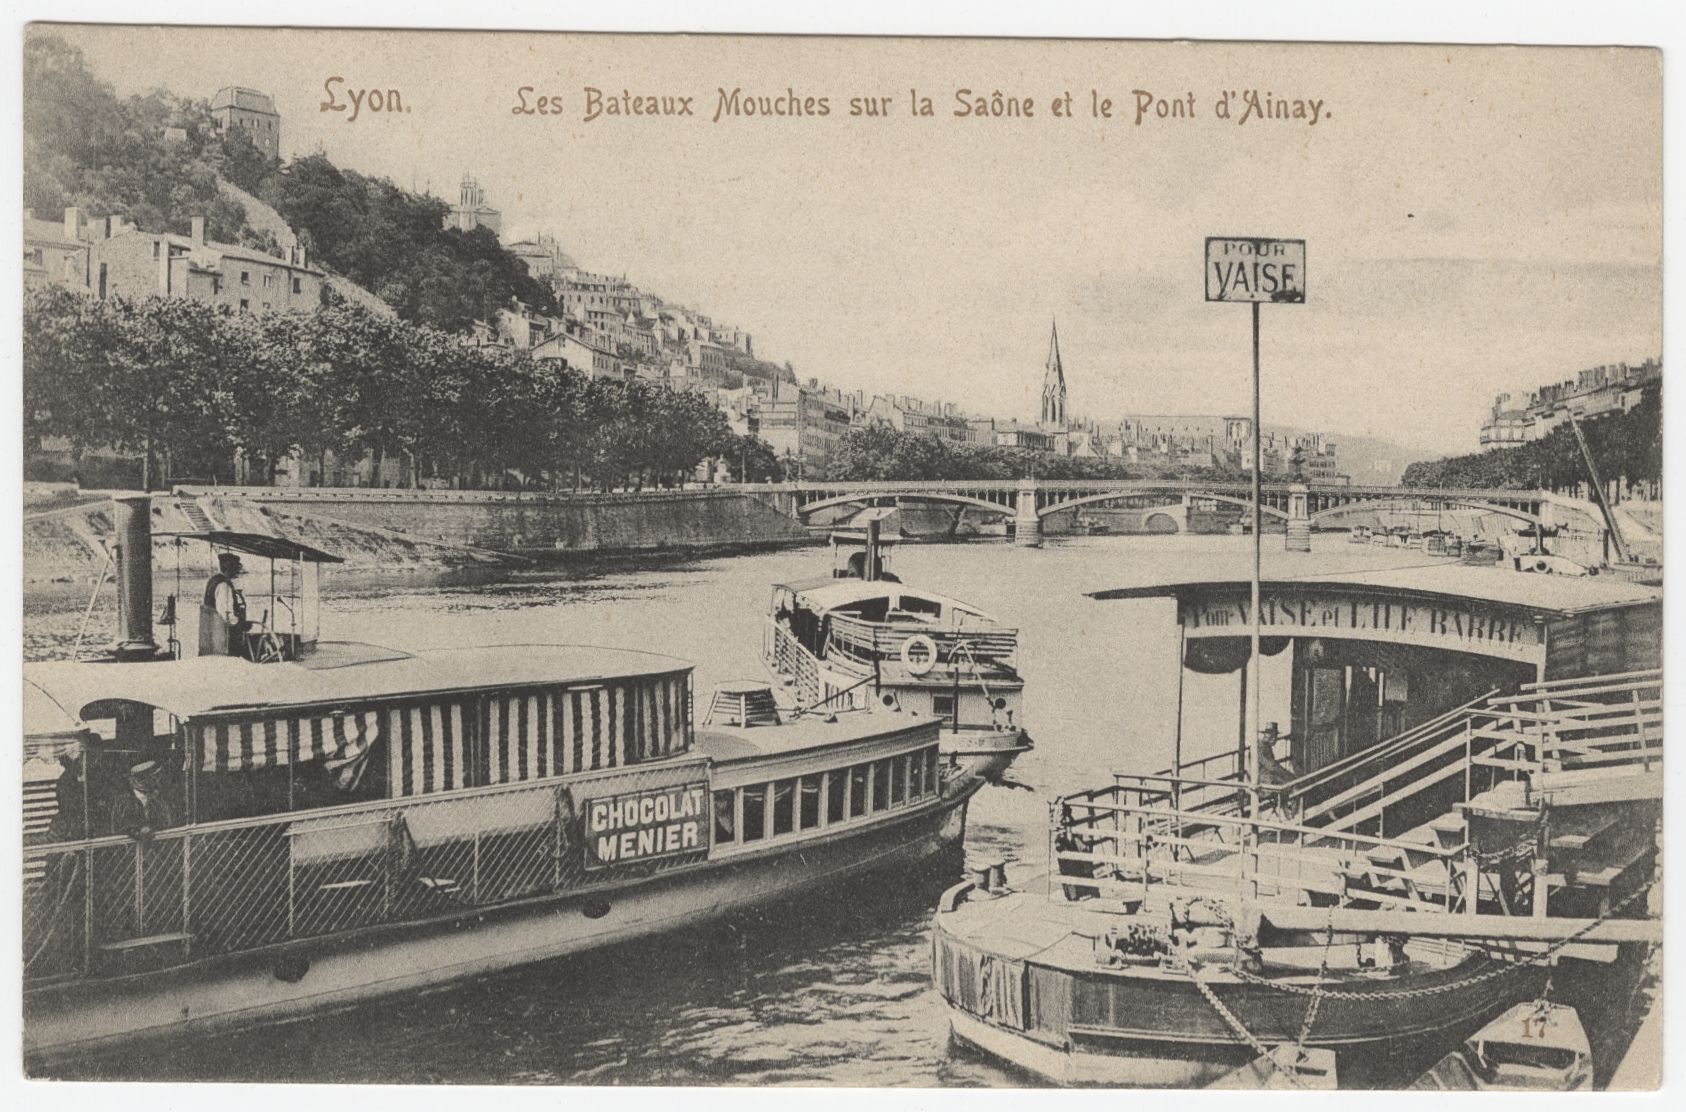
(919, 665)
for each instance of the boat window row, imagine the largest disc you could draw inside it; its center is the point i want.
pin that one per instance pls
(797, 804)
(149, 773)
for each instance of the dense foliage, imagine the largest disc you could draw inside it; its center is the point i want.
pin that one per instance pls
(1627, 447)
(85, 147)
(881, 452)
(190, 385)
(155, 160)
(393, 242)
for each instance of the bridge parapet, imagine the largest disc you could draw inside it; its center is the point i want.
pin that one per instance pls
(1030, 501)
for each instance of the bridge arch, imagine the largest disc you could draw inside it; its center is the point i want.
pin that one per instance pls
(1158, 513)
(1108, 496)
(867, 497)
(1450, 503)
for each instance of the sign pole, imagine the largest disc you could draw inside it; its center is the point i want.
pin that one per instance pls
(1253, 661)
(1255, 270)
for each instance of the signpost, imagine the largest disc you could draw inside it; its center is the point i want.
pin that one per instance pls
(1255, 270)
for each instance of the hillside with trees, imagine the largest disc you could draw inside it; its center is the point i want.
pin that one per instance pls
(1628, 448)
(155, 159)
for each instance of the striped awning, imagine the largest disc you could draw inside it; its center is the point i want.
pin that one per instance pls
(554, 731)
(243, 745)
(429, 747)
(509, 737)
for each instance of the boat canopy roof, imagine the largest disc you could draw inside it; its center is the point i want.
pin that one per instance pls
(260, 544)
(830, 594)
(339, 673)
(1452, 583)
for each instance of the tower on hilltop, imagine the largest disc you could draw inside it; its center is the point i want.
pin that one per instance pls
(471, 210)
(252, 112)
(1053, 384)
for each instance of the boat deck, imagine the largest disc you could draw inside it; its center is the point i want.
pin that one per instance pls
(726, 744)
(1025, 924)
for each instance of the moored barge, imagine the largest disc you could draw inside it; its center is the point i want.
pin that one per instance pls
(1462, 817)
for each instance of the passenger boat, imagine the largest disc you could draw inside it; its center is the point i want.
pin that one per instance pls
(1467, 801)
(1537, 1046)
(862, 637)
(285, 824)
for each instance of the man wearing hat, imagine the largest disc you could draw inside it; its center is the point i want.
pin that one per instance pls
(222, 616)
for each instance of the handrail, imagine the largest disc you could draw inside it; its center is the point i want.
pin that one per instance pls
(1421, 732)
(1158, 777)
(1315, 833)
(1553, 687)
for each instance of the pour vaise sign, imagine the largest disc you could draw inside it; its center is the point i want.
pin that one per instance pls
(1247, 268)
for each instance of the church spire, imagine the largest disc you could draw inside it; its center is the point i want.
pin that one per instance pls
(1053, 383)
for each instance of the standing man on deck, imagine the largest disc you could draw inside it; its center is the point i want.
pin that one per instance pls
(222, 615)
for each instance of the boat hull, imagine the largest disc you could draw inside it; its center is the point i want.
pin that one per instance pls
(77, 1018)
(985, 753)
(1034, 999)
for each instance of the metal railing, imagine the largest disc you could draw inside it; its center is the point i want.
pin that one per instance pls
(790, 658)
(1101, 845)
(121, 904)
(1187, 833)
(867, 641)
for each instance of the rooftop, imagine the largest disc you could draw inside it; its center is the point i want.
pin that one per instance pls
(725, 744)
(337, 673)
(1556, 594)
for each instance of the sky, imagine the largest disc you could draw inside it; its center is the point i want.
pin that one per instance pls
(1477, 219)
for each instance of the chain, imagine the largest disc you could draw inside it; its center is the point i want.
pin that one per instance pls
(1435, 990)
(1236, 1025)
(1317, 996)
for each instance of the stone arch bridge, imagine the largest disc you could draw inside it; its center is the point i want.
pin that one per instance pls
(1029, 501)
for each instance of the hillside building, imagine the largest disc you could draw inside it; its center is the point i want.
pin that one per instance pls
(471, 210)
(252, 112)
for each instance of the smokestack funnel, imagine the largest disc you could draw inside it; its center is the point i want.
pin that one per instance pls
(133, 522)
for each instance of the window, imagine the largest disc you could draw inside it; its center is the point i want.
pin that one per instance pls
(880, 785)
(725, 817)
(915, 775)
(155, 249)
(933, 783)
(755, 813)
(245, 277)
(835, 786)
(298, 285)
(898, 780)
(858, 791)
(784, 806)
(268, 281)
(245, 306)
(942, 706)
(808, 808)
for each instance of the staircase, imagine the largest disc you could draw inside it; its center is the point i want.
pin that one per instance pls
(195, 513)
(1546, 796)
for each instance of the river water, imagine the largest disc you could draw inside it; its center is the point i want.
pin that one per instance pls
(833, 992)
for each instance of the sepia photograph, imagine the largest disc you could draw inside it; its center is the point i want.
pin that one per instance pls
(634, 559)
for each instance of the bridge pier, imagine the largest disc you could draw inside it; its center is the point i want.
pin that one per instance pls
(1299, 519)
(1027, 525)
